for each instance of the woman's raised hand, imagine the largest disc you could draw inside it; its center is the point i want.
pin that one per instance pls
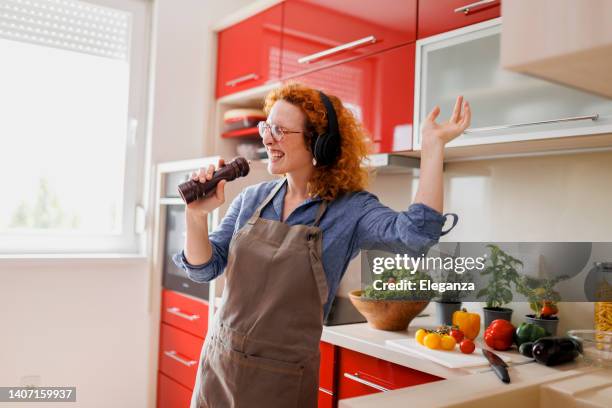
(433, 133)
(204, 206)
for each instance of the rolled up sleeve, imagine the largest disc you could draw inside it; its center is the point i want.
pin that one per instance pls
(412, 232)
(219, 240)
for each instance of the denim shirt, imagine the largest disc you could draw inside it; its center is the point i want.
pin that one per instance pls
(352, 221)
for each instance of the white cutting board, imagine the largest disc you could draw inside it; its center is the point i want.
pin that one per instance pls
(451, 359)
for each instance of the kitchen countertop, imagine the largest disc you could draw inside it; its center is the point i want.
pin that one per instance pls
(533, 385)
(367, 340)
(575, 384)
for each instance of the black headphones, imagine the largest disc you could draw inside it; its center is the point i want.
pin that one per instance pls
(326, 146)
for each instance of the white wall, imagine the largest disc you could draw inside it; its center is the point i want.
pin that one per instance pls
(86, 323)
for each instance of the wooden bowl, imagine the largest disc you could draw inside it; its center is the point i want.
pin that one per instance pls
(392, 315)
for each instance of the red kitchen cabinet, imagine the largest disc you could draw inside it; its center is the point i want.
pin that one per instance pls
(183, 327)
(327, 366)
(325, 399)
(185, 313)
(249, 52)
(317, 33)
(379, 90)
(360, 374)
(171, 394)
(327, 375)
(439, 16)
(179, 354)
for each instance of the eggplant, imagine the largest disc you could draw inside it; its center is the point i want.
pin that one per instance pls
(526, 349)
(553, 350)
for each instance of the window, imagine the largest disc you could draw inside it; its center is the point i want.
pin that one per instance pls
(73, 80)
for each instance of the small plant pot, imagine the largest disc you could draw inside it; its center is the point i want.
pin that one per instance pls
(445, 310)
(494, 313)
(550, 325)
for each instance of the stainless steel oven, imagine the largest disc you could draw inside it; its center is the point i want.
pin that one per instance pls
(174, 230)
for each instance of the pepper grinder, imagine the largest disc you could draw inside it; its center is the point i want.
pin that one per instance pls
(192, 190)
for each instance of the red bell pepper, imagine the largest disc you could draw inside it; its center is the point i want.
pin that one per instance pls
(499, 335)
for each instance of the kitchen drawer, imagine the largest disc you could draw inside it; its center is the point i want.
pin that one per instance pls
(439, 16)
(326, 368)
(185, 313)
(171, 394)
(360, 374)
(326, 399)
(179, 354)
(367, 84)
(318, 33)
(249, 52)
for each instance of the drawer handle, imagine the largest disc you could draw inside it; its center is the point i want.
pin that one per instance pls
(244, 78)
(331, 51)
(177, 312)
(468, 7)
(174, 355)
(355, 377)
(595, 116)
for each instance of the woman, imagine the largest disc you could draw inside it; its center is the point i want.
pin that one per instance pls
(285, 245)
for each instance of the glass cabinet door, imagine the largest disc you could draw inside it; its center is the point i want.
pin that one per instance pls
(506, 106)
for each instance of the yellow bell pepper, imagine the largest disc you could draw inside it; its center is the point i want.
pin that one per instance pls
(468, 323)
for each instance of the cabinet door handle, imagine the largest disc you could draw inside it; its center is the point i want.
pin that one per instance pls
(173, 355)
(594, 116)
(468, 7)
(331, 51)
(244, 78)
(177, 312)
(355, 377)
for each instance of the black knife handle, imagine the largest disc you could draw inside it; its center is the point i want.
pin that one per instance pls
(502, 373)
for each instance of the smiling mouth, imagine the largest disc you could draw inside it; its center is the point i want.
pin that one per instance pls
(275, 155)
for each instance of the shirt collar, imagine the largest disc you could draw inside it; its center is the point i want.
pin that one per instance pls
(279, 198)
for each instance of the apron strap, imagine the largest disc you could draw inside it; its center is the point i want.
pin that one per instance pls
(320, 212)
(257, 212)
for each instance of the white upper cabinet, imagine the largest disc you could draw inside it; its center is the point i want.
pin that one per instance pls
(506, 106)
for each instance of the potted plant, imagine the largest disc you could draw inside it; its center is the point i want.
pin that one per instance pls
(393, 309)
(542, 298)
(502, 269)
(449, 301)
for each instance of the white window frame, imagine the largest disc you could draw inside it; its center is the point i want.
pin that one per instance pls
(132, 241)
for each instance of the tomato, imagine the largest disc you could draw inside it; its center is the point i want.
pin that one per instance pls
(448, 342)
(420, 336)
(549, 309)
(467, 346)
(457, 334)
(432, 341)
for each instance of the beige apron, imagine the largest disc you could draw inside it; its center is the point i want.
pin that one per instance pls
(263, 349)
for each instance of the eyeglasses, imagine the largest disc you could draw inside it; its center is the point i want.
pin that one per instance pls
(277, 132)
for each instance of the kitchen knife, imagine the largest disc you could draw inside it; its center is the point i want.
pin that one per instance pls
(498, 365)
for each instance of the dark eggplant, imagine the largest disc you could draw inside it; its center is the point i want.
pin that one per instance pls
(526, 349)
(552, 351)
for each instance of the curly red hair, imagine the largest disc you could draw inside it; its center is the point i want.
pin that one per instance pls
(346, 174)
